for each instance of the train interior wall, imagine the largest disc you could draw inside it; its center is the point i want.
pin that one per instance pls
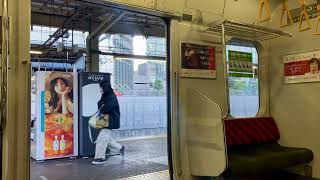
(215, 89)
(294, 106)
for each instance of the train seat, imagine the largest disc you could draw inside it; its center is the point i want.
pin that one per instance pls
(253, 148)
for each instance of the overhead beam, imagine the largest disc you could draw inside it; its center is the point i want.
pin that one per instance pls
(43, 19)
(119, 27)
(94, 34)
(53, 60)
(132, 56)
(44, 3)
(77, 17)
(105, 25)
(60, 31)
(122, 28)
(136, 29)
(106, 36)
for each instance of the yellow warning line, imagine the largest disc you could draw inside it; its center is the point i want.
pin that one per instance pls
(161, 175)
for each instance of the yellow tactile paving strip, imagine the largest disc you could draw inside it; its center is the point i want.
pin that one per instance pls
(161, 175)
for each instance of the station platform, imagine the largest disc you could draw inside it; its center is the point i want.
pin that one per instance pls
(145, 157)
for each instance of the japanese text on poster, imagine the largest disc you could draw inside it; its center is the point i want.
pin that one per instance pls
(197, 61)
(302, 67)
(240, 64)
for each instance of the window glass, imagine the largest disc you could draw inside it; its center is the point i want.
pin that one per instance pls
(140, 84)
(243, 83)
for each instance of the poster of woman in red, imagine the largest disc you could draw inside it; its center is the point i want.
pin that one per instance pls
(303, 67)
(197, 61)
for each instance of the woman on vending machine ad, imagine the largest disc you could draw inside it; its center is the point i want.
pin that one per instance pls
(58, 115)
(61, 96)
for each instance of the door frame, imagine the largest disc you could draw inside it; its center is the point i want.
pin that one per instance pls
(167, 21)
(169, 97)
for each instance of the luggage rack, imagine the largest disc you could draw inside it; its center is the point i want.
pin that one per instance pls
(246, 31)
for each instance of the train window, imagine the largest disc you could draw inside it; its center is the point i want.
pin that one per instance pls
(243, 81)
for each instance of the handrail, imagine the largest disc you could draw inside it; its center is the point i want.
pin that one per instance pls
(225, 70)
(218, 119)
(207, 97)
(177, 130)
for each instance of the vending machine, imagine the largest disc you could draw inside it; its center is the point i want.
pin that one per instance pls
(89, 95)
(55, 126)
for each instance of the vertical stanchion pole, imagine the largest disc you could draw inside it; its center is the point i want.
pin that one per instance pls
(225, 68)
(177, 125)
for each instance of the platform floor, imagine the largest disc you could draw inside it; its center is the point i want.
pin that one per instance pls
(143, 158)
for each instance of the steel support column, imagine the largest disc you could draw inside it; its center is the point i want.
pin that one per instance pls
(92, 60)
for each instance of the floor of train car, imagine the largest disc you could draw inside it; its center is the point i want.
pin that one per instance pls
(144, 159)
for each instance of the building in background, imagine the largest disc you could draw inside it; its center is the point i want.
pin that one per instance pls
(116, 43)
(129, 76)
(153, 70)
(156, 46)
(123, 74)
(122, 69)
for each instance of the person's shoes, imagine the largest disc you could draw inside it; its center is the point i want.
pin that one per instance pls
(110, 153)
(122, 151)
(99, 161)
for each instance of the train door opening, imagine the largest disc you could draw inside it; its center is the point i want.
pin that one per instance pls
(75, 46)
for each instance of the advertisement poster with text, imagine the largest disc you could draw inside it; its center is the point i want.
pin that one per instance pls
(240, 64)
(198, 61)
(302, 67)
(58, 100)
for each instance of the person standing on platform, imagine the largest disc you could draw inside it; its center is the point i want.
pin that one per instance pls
(110, 110)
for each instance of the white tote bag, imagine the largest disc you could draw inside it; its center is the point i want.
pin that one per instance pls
(97, 121)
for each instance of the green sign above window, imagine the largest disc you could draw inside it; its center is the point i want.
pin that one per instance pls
(240, 64)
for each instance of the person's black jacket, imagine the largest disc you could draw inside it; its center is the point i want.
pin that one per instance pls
(111, 107)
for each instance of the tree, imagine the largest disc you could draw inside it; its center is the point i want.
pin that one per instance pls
(158, 85)
(239, 85)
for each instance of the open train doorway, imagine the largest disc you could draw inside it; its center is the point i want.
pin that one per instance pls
(75, 47)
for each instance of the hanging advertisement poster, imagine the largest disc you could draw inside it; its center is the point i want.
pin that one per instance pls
(240, 64)
(198, 61)
(302, 67)
(56, 114)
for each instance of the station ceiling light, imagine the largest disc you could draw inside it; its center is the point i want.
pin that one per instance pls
(36, 52)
